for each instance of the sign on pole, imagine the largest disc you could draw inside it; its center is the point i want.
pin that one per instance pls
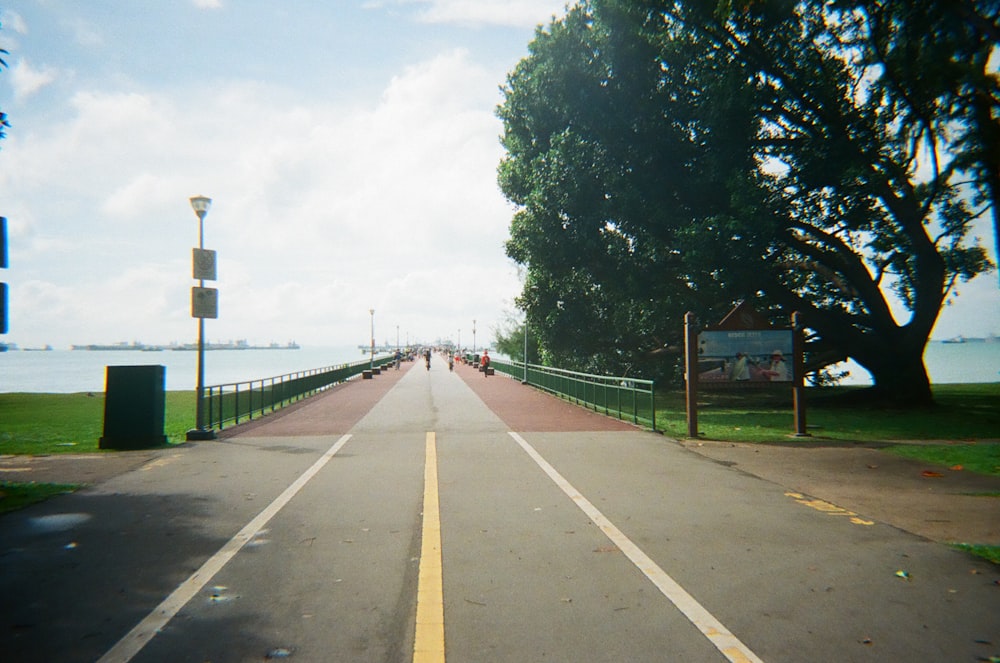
(203, 261)
(204, 303)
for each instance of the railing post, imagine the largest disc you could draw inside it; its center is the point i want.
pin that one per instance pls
(652, 403)
(210, 422)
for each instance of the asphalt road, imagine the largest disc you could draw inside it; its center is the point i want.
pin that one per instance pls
(564, 536)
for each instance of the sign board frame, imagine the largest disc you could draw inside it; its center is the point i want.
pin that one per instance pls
(720, 345)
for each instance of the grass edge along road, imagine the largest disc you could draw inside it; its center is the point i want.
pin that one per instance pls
(966, 419)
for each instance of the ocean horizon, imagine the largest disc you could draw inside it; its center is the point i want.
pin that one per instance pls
(69, 371)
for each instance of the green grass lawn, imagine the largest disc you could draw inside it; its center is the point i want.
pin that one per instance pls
(965, 418)
(74, 423)
(963, 412)
(14, 496)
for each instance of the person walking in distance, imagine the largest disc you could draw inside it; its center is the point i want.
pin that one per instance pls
(484, 363)
(427, 358)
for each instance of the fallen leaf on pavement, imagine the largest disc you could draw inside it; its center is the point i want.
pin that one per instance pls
(930, 474)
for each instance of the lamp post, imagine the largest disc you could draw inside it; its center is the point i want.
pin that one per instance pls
(200, 205)
(473, 336)
(371, 364)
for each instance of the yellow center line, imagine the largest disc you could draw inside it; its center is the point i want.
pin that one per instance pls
(428, 643)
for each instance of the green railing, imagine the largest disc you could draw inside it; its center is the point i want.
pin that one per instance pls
(623, 397)
(238, 401)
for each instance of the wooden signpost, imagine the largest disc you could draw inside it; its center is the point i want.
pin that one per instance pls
(743, 352)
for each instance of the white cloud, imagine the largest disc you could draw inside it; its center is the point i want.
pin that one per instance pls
(510, 13)
(85, 33)
(26, 80)
(11, 20)
(320, 213)
(515, 13)
(207, 4)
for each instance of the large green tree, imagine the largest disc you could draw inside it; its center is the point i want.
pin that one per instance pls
(827, 157)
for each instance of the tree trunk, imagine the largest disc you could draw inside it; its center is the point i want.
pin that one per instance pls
(899, 376)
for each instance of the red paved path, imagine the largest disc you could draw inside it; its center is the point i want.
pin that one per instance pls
(521, 407)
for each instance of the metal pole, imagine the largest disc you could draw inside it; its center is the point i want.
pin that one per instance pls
(798, 379)
(691, 373)
(200, 432)
(371, 364)
(525, 381)
(199, 416)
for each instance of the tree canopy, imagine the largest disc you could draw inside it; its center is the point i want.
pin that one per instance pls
(821, 156)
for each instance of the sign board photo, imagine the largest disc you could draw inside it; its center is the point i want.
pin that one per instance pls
(745, 356)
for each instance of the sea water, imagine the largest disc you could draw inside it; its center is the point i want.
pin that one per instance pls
(68, 371)
(947, 363)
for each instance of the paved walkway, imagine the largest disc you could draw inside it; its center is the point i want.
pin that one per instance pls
(562, 536)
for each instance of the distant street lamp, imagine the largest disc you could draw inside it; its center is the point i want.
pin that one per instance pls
(371, 364)
(200, 205)
(473, 336)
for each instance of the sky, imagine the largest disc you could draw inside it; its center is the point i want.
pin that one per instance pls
(350, 148)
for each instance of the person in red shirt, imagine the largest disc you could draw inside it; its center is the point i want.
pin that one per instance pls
(484, 362)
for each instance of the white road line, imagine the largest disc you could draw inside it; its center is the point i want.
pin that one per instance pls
(728, 644)
(143, 632)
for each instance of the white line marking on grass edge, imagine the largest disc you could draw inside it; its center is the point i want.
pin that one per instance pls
(133, 642)
(728, 644)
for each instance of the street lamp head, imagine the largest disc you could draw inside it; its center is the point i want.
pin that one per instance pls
(200, 205)
(371, 311)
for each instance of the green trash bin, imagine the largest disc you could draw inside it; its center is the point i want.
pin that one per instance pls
(134, 404)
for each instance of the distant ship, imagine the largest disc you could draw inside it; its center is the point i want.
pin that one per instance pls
(115, 347)
(241, 344)
(990, 338)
